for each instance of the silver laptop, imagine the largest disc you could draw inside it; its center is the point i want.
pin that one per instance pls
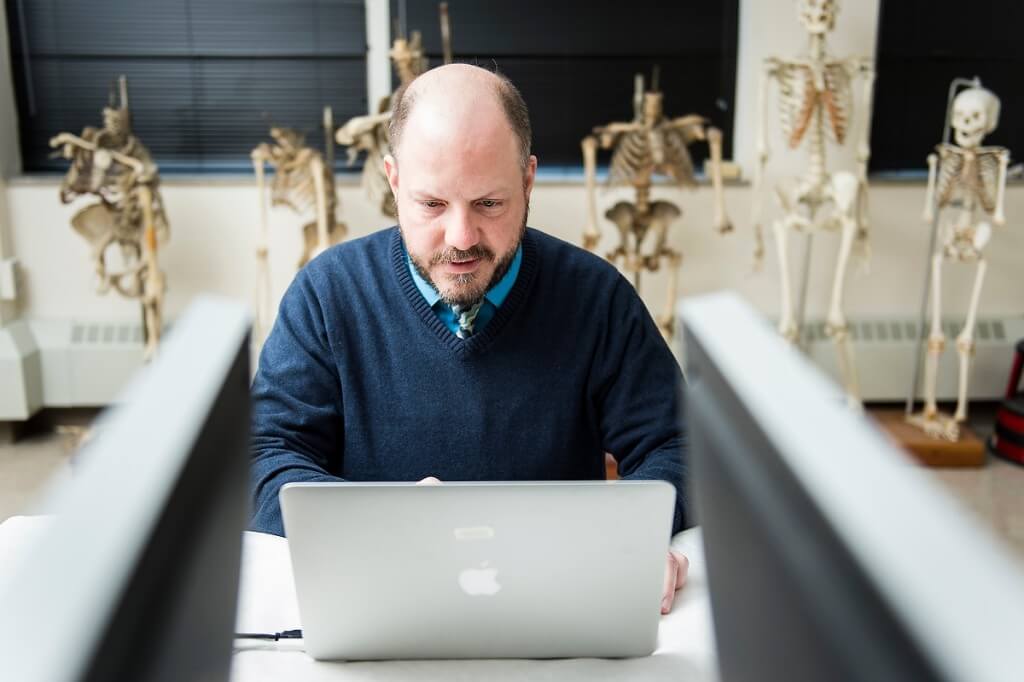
(479, 570)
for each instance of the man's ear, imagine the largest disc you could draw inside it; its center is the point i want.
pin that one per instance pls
(391, 171)
(531, 174)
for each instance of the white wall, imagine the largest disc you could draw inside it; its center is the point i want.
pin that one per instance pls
(214, 221)
(213, 229)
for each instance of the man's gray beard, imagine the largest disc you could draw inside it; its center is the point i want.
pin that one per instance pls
(467, 294)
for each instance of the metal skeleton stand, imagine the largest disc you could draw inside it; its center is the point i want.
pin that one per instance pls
(927, 288)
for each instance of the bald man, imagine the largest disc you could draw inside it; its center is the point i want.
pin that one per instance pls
(462, 345)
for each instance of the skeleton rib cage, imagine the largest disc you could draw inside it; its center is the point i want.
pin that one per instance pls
(661, 149)
(801, 94)
(965, 174)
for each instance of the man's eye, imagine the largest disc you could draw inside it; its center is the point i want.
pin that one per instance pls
(490, 203)
(431, 204)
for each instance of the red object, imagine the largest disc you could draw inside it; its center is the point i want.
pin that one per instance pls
(1008, 440)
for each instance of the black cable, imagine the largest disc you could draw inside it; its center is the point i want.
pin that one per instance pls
(287, 634)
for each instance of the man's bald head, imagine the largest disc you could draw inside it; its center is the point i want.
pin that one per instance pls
(461, 93)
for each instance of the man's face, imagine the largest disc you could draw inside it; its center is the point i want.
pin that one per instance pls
(462, 200)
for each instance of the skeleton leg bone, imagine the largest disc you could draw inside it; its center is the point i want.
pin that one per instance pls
(666, 321)
(845, 188)
(930, 421)
(965, 344)
(936, 340)
(787, 323)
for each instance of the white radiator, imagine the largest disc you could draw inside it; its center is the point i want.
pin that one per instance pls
(84, 363)
(884, 350)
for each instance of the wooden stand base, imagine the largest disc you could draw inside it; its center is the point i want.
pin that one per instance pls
(969, 451)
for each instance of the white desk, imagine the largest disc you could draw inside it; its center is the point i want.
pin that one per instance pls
(267, 604)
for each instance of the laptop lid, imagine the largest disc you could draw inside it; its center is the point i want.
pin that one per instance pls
(479, 570)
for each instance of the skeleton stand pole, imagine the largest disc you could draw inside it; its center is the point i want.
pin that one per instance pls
(446, 33)
(262, 268)
(965, 343)
(329, 138)
(912, 393)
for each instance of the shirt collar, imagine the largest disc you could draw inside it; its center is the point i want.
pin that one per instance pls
(496, 295)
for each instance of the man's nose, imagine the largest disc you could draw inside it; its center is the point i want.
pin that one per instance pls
(459, 230)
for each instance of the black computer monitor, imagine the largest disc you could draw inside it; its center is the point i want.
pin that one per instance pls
(830, 556)
(136, 578)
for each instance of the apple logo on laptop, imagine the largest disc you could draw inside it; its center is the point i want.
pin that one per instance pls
(480, 581)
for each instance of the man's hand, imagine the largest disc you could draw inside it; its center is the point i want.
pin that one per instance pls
(675, 577)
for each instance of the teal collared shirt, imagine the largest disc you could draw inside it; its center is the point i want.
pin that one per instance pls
(493, 299)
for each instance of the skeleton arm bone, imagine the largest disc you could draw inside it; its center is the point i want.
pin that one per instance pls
(358, 126)
(68, 140)
(603, 137)
(692, 126)
(769, 71)
(721, 220)
(866, 69)
(591, 234)
(999, 218)
(607, 135)
(929, 200)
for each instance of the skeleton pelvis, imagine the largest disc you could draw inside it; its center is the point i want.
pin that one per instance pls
(839, 196)
(629, 220)
(95, 223)
(966, 243)
(336, 232)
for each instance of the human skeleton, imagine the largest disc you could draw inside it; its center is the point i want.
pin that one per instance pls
(112, 164)
(649, 144)
(303, 183)
(370, 133)
(966, 185)
(816, 103)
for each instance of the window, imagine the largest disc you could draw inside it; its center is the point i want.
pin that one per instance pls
(574, 60)
(206, 78)
(922, 46)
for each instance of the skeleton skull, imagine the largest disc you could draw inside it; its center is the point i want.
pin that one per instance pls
(975, 115)
(817, 16)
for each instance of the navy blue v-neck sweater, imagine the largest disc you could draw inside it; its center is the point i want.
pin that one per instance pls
(359, 380)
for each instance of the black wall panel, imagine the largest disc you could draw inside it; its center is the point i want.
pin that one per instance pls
(922, 46)
(205, 77)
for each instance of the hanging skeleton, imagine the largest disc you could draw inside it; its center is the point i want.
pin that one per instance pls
(110, 163)
(649, 144)
(370, 133)
(305, 184)
(966, 186)
(816, 103)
